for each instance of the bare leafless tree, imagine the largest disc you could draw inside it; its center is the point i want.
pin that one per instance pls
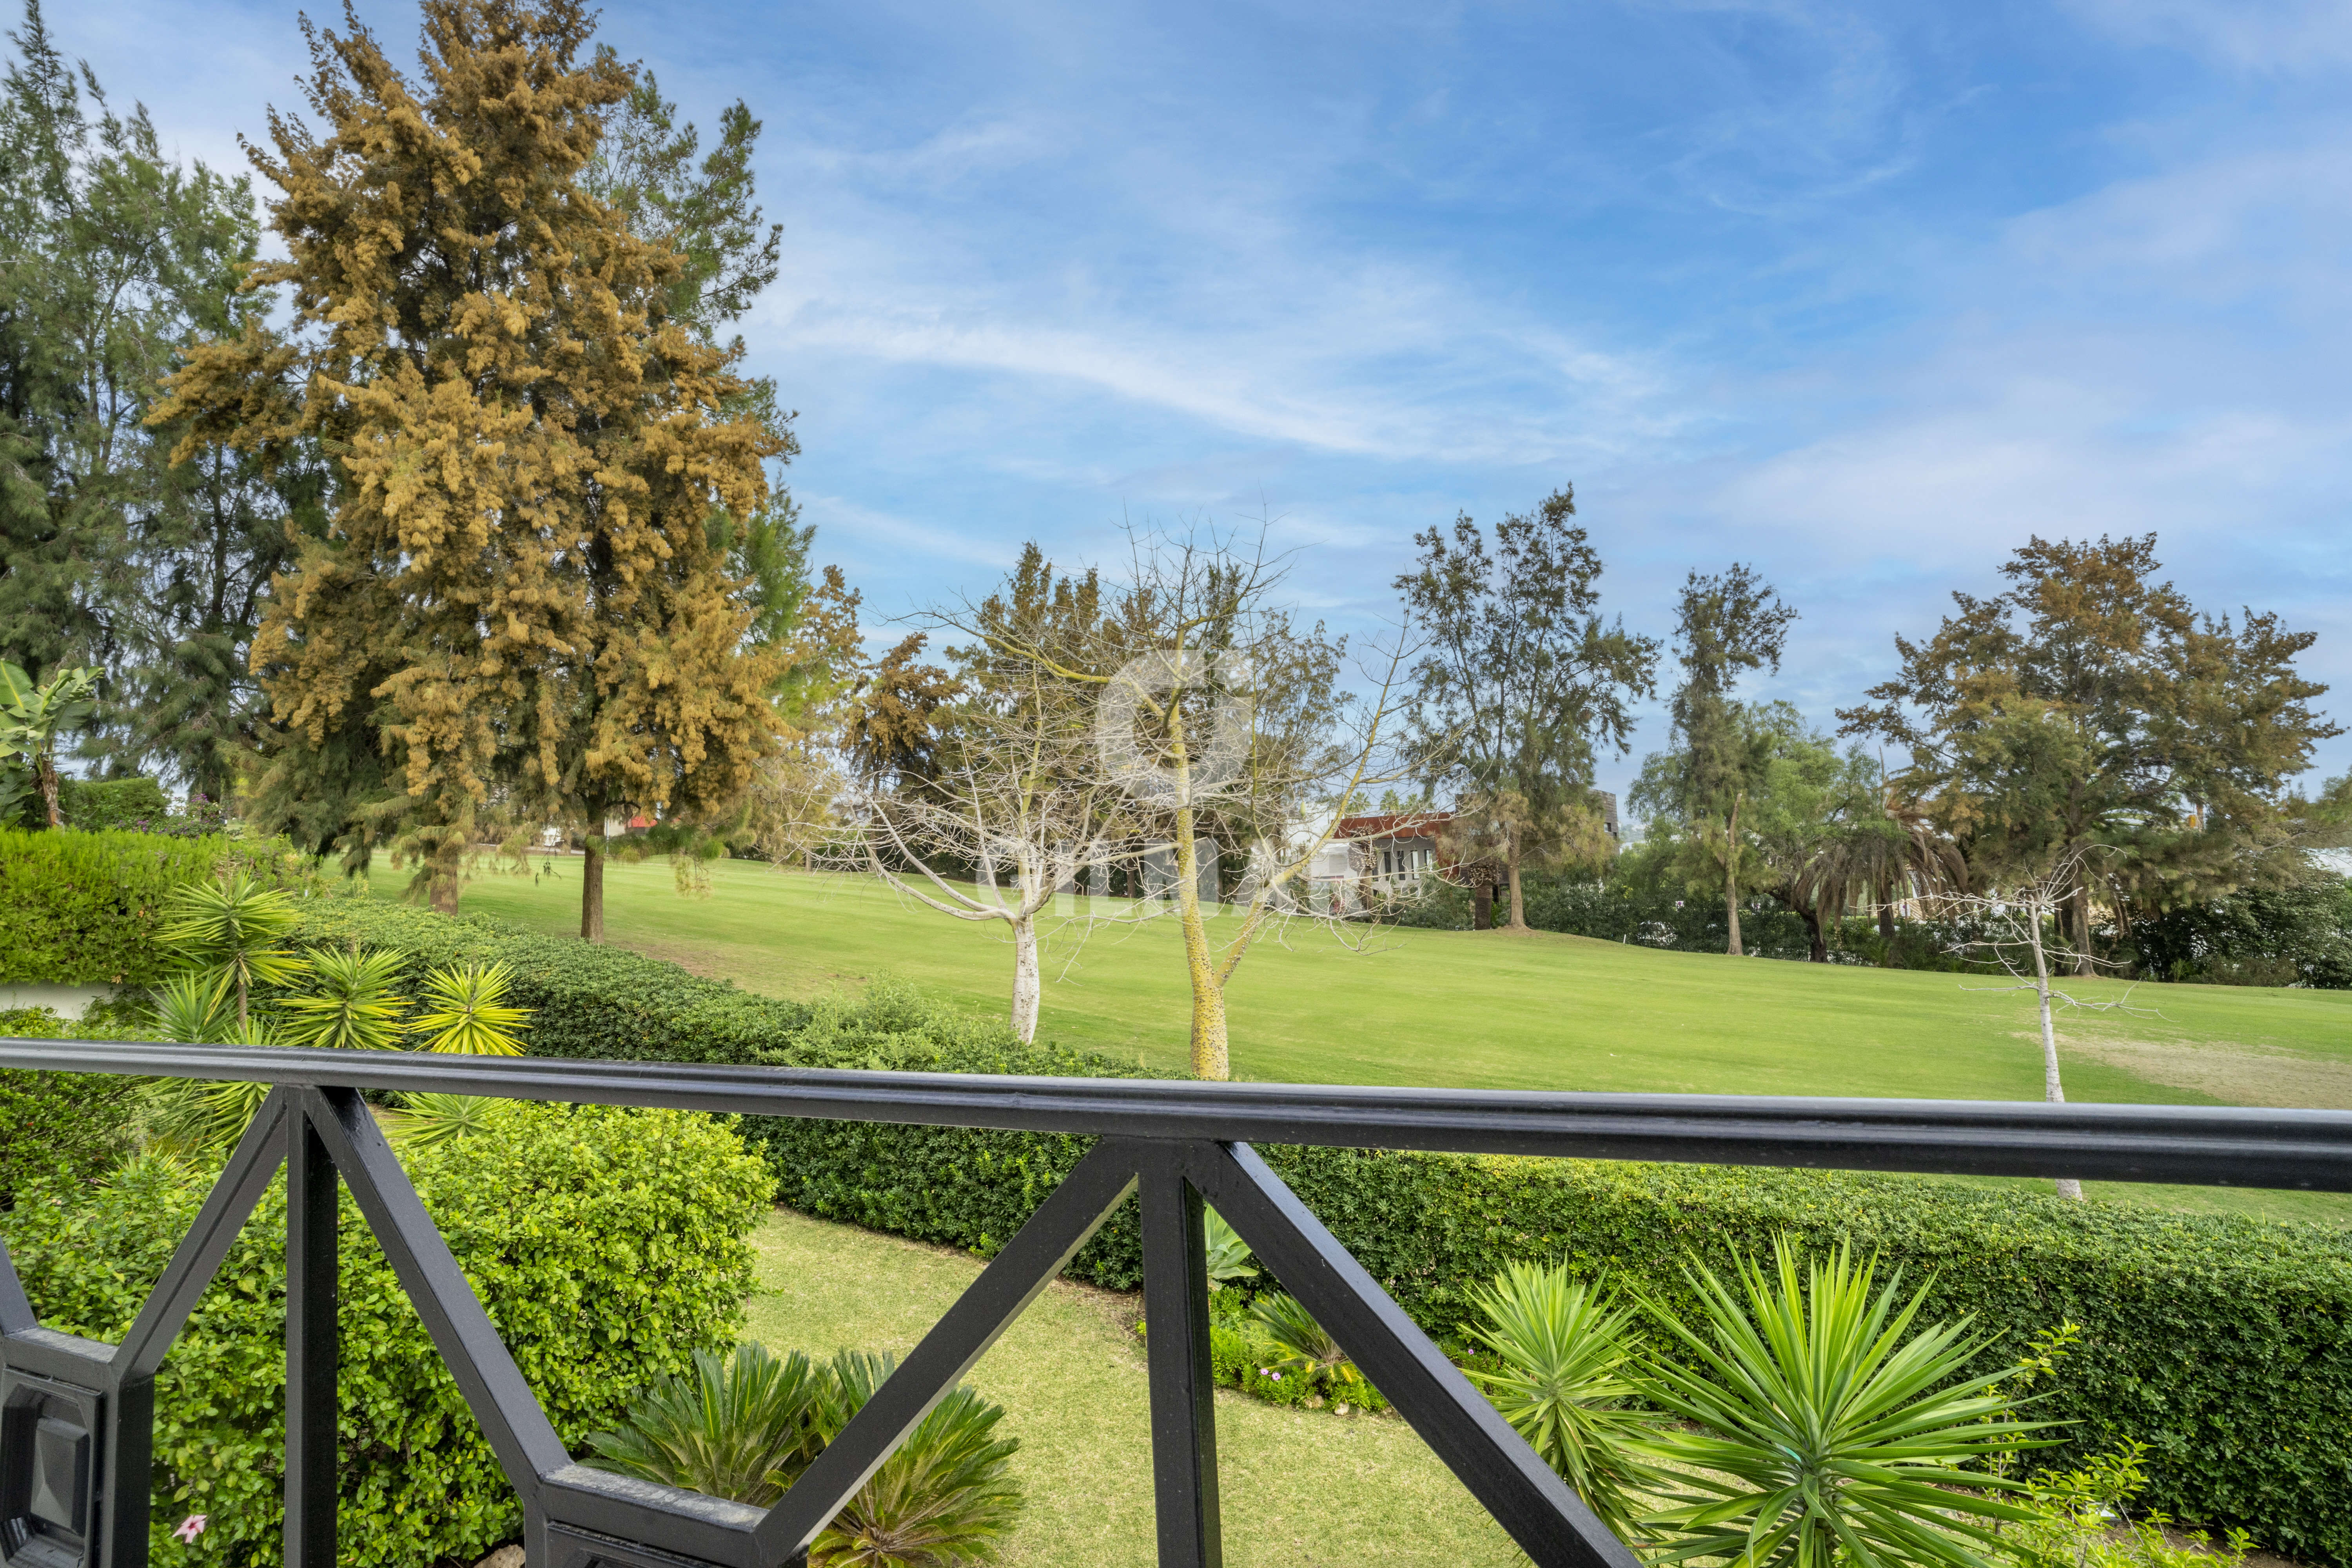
(2017, 925)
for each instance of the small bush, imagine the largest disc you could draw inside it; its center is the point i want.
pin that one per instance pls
(608, 1245)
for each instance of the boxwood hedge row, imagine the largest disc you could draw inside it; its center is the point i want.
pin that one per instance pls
(83, 908)
(2223, 1343)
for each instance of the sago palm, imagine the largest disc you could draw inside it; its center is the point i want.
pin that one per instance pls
(352, 1003)
(1300, 1344)
(467, 1011)
(943, 1498)
(234, 932)
(1568, 1385)
(1825, 1429)
(742, 1426)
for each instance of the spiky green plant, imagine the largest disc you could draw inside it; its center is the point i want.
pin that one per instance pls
(189, 1010)
(197, 1119)
(351, 1004)
(1568, 1385)
(424, 1120)
(1228, 1254)
(234, 932)
(742, 1426)
(467, 1011)
(944, 1499)
(1824, 1430)
(1296, 1342)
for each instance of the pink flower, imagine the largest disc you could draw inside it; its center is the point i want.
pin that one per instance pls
(190, 1528)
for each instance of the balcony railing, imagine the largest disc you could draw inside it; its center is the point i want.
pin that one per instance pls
(75, 1441)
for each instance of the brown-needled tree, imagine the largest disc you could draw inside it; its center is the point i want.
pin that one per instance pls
(520, 602)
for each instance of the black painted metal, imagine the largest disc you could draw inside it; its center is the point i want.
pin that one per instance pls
(311, 1350)
(1183, 1386)
(2206, 1145)
(1180, 1143)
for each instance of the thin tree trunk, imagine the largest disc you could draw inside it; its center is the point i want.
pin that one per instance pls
(45, 771)
(1518, 898)
(2081, 913)
(1026, 984)
(1731, 880)
(1821, 948)
(2052, 1090)
(1209, 1057)
(1482, 906)
(592, 882)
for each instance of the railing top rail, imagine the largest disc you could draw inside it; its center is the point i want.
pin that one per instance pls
(2207, 1145)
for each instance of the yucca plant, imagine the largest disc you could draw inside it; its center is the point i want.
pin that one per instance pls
(467, 1011)
(1228, 1254)
(944, 1499)
(423, 1120)
(1300, 1344)
(742, 1426)
(352, 1003)
(1825, 1429)
(194, 1120)
(1568, 1385)
(189, 1010)
(234, 932)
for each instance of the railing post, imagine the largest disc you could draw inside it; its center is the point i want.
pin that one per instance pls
(312, 1194)
(1183, 1381)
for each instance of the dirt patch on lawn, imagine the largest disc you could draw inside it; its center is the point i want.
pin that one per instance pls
(2232, 1073)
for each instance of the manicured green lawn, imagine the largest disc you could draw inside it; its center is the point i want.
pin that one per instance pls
(1298, 1487)
(1502, 1011)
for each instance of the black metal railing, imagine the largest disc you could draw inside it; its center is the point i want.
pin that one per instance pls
(76, 1416)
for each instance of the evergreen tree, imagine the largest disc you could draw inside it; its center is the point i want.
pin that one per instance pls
(521, 599)
(1521, 678)
(2091, 705)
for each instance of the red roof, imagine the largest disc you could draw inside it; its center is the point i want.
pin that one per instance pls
(1394, 824)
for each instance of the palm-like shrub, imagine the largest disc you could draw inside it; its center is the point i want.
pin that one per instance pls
(742, 1426)
(1826, 1430)
(189, 1010)
(467, 1011)
(1228, 1254)
(746, 1426)
(425, 1120)
(942, 1499)
(1568, 1385)
(1295, 1343)
(234, 932)
(352, 1003)
(194, 1120)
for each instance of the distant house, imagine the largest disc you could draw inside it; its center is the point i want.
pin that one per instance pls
(1390, 852)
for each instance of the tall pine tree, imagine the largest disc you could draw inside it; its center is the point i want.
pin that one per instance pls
(520, 602)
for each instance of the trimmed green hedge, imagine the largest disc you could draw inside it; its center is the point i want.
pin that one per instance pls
(608, 1245)
(2225, 1344)
(81, 909)
(93, 804)
(62, 1125)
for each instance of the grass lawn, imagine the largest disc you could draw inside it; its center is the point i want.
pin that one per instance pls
(1495, 1010)
(1299, 1486)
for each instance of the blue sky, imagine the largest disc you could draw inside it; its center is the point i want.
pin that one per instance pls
(1865, 294)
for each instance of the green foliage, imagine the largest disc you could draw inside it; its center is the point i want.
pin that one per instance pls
(235, 930)
(1821, 1429)
(467, 1011)
(1296, 1344)
(433, 1117)
(96, 805)
(57, 1126)
(1228, 1254)
(741, 1425)
(2087, 1518)
(351, 1004)
(1564, 1384)
(33, 716)
(943, 1498)
(83, 909)
(744, 1426)
(2301, 933)
(608, 1245)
